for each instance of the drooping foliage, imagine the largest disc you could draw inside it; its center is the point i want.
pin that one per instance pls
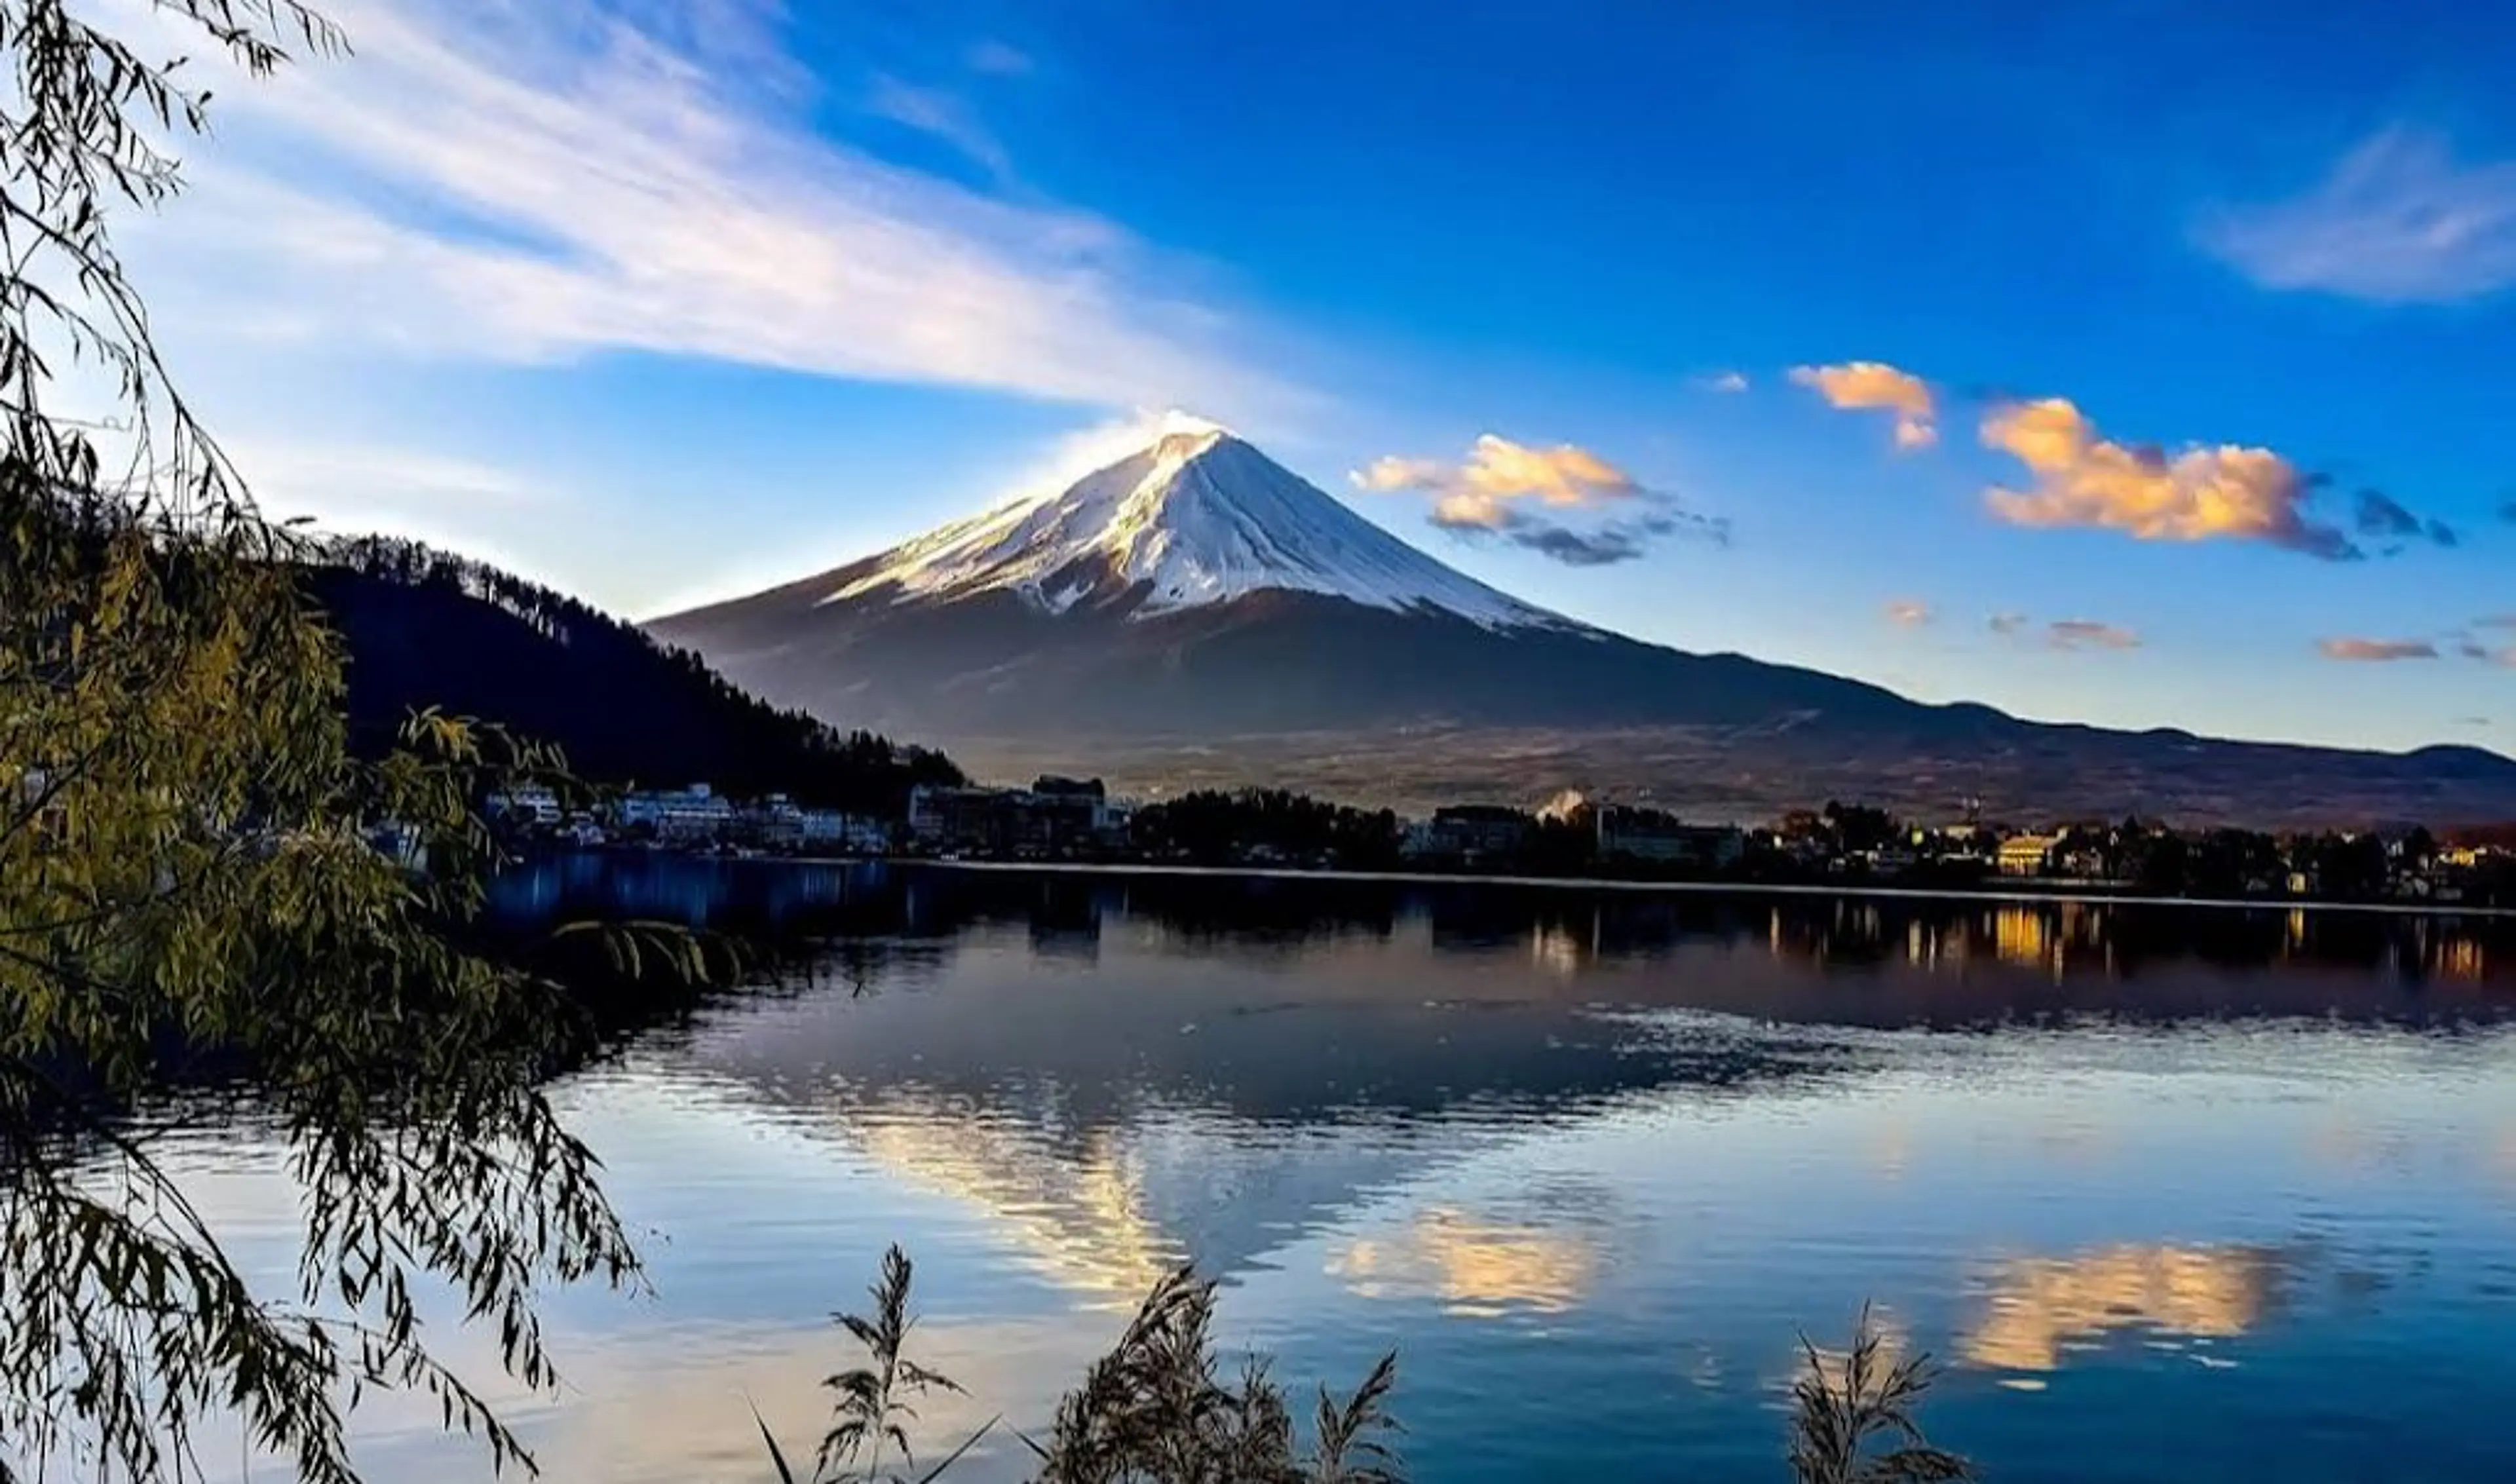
(190, 868)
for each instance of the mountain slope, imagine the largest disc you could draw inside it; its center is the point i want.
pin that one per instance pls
(1198, 613)
(1198, 585)
(426, 629)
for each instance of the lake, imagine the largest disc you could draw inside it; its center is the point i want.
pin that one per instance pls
(2174, 1194)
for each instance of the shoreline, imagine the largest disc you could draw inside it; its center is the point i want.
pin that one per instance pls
(2020, 896)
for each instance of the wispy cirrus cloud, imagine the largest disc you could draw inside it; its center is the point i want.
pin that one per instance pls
(1523, 494)
(1000, 59)
(2471, 641)
(1728, 382)
(2486, 638)
(1909, 613)
(2376, 651)
(2206, 493)
(2069, 635)
(943, 117)
(1875, 386)
(547, 182)
(293, 478)
(2382, 518)
(445, 499)
(2089, 634)
(2398, 220)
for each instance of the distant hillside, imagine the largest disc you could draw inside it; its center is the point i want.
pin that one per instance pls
(426, 628)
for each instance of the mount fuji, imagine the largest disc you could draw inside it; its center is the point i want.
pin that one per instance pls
(1197, 615)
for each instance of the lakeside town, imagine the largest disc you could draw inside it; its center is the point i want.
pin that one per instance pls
(1058, 820)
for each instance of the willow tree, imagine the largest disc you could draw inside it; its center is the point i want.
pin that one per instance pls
(189, 864)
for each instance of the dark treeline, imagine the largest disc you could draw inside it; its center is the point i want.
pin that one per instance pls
(1839, 844)
(1216, 827)
(426, 628)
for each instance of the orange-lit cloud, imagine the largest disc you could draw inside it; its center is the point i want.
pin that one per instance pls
(2377, 651)
(1502, 485)
(2202, 493)
(1909, 613)
(1497, 472)
(1875, 386)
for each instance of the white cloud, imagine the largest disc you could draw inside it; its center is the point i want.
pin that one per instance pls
(936, 113)
(1728, 382)
(338, 474)
(1088, 449)
(482, 180)
(2398, 221)
(1000, 59)
(446, 501)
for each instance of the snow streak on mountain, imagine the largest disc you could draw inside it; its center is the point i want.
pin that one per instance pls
(1197, 519)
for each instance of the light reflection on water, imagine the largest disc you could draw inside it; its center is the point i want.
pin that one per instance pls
(2176, 1196)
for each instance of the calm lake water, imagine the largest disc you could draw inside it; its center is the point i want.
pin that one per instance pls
(2175, 1195)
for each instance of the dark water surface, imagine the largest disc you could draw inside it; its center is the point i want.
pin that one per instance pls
(2176, 1195)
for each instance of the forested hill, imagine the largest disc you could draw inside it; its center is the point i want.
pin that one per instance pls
(426, 628)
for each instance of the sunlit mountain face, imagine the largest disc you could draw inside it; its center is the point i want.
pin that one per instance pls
(1194, 614)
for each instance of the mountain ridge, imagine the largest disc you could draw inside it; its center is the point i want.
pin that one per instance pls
(1098, 627)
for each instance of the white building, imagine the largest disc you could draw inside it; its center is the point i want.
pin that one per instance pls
(694, 813)
(782, 822)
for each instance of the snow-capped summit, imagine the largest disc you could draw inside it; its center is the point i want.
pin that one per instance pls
(1194, 519)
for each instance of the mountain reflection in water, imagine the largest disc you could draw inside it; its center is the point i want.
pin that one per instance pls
(1886, 962)
(2246, 1178)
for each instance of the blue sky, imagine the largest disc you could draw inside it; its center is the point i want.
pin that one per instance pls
(2042, 355)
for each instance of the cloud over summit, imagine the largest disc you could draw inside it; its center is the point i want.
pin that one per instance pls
(1525, 493)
